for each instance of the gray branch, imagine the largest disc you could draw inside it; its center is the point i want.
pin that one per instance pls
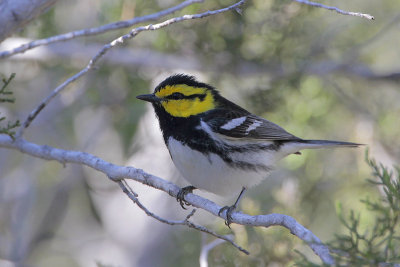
(14, 14)
(117, 173)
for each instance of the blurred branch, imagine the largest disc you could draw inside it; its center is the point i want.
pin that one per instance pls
(97, 30)
(80, 53)
(358, 70)
(14, 14)
(117, 173)
(120, 40)
(205, 249)
(340, 11)
(133, 57)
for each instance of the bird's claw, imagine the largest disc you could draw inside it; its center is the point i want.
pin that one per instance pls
(180, 197)
(229, 210)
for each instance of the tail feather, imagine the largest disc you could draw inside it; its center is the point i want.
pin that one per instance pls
(328, 143)
(295, 146)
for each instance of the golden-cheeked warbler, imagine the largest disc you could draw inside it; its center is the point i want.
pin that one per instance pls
(217, 145)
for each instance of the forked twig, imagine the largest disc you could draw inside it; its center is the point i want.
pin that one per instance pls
(134, 197)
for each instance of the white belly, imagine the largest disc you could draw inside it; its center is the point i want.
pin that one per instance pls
(211, 173)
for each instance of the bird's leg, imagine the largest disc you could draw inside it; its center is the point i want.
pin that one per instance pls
(180, 197)
(231, 209)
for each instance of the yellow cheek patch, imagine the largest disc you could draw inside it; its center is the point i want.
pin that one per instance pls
(186, 107)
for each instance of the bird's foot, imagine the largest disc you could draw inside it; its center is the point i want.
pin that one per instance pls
(180, 197)
(229, 210)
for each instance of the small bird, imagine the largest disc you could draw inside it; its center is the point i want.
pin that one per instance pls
(217, 145)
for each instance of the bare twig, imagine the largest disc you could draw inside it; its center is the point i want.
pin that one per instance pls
(226, 238)
(134, 197)
(97, 30)
(117, 173)
(340, 11)
(112, 44)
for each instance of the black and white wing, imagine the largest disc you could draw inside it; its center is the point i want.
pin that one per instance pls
(244, 125)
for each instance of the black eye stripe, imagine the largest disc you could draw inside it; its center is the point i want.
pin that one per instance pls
(200, 96)
(177, 96)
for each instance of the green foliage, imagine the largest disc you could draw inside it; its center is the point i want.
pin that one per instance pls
(46, 25)
(5, 96)
(8, 129)
(3, 91)
(378, 244)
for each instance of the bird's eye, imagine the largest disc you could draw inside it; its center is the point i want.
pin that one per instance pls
(176, 96)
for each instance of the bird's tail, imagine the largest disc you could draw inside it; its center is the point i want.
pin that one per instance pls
(310, 144)
(294, 147)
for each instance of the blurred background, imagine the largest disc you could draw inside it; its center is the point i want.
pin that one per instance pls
(318, 74)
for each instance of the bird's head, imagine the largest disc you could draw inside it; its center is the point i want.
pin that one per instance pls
(182, 96)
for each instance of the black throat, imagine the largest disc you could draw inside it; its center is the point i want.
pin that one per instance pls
(181, 129)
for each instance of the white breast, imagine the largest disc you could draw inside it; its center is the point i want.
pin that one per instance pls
(211, 173)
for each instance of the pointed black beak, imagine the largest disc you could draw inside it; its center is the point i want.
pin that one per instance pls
(149, 98)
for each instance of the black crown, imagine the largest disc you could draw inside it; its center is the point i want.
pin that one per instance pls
(182, 79)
